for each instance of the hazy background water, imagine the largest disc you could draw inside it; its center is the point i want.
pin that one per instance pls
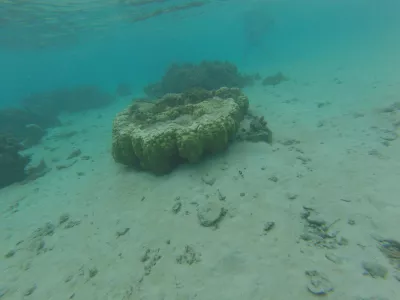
(46, 45)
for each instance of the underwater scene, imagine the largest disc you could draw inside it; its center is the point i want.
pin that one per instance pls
(183, 149)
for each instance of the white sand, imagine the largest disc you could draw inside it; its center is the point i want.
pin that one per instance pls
(237, 260)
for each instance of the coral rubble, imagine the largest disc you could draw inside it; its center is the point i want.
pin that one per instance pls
(159, 135)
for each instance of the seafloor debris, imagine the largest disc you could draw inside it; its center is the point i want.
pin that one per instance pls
(374, 269)
(319, 284)
(391, 249)
(318, 232)
(189, 256)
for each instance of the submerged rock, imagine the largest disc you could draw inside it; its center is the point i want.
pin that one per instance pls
(254, 129)
(210, 213)
(159, 135)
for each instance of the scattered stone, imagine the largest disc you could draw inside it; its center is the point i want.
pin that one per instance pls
(210, 213)
(388, 135)
(319, 284)
(323, 104)
(75, 153)
(351, 222)
(342, 241)
(85, 157)
(315, 219)
(391, 249)
(122, 232)
(80, 173)
(334, 258)
(35, 172)
(10, 253)
(391, 108)
(46, 230)
(38, 245)
(375, 270)
(304, 160)
(64, 218)
(93, 272)
(337, 80)
(376, 153)
(345, 200)
(268, 227)
(242, 194)
(189, 256)
(176, 207)
(150, 259)
(357, 115)
(3, 291)
(66, 166)
(71, 224)
(273, 178)
(220, 196)
(29, 291)
(207, 179)
(290, 142)
(291, 196)
(318, 232)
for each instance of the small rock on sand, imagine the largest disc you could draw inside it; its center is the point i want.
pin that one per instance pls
(210, 213)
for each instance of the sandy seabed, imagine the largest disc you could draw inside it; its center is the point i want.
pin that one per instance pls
(95, 230)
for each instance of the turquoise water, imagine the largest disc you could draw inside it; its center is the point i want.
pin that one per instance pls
(314, 213)
(68, 51)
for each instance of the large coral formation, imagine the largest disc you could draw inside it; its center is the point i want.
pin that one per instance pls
(158, 135)
(12, 163)
(209, 75)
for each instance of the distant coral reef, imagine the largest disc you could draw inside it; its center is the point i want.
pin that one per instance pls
(209, 75)
(26, 126)
(159, 135)
(67, 100)
(39, 112)
(274, 79)
(12, 163)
